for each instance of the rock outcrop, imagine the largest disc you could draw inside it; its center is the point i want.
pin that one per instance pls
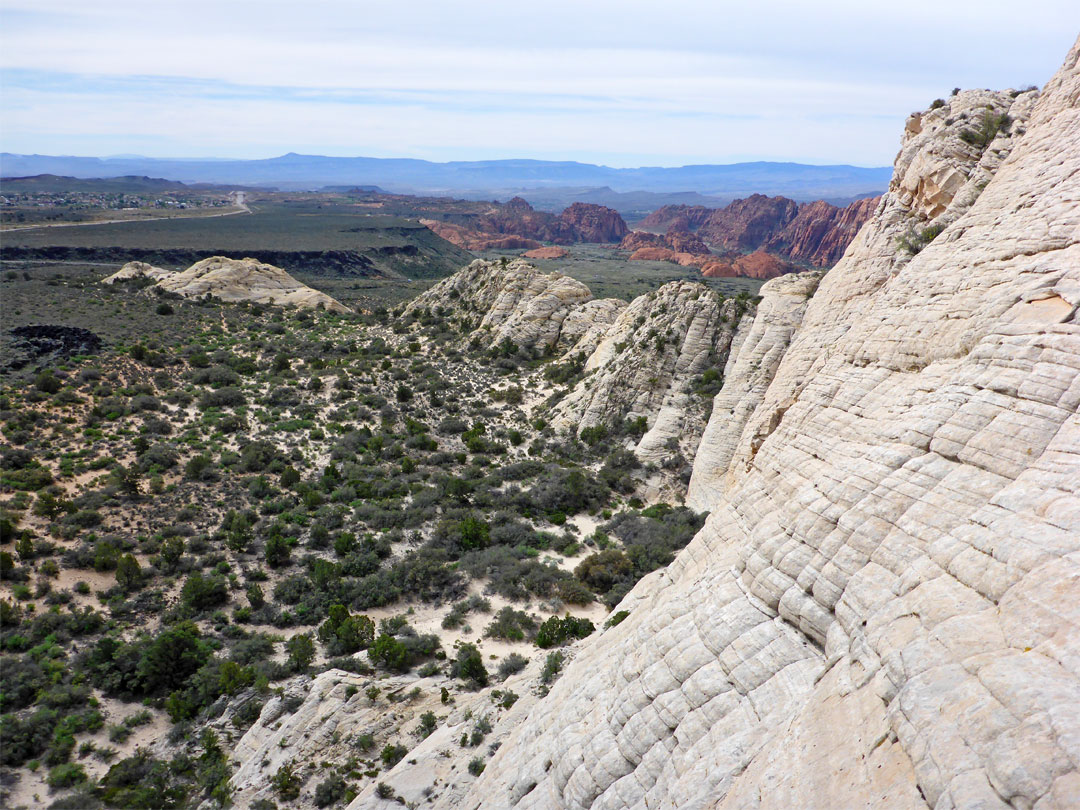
(813, 234)
(820, 233)
(478, 240)
(882, 609)
(133, 270)
(758, 264)
(747, 224)
(232, 280)
(515, 224)
(645, 366)
(678, 241)
(549, 252)
(512, 301)
(594, 223)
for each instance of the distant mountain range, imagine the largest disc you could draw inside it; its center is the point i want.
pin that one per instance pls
(553, 183)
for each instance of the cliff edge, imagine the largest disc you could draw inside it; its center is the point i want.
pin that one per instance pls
(883, 609)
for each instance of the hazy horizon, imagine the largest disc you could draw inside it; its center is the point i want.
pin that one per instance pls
(613, 84)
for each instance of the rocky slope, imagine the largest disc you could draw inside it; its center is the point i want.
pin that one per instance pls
(512, 301)
(498, 227)
(646, 364)
(882, 608)
(232, 280)
(820, 233)
(642, 360)
(814, 233)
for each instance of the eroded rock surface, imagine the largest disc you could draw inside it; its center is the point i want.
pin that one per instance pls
(883, 609)
(512, 301)
(232, 280)
(646, 363)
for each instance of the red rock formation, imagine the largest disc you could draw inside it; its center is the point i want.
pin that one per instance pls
(640, 239)
(814, 233)
(477, 240)
(686, 217)
(652, 254)
(581, 222)
(551, 252)
(594, 223)
(758, 264)
(678, 241)
(682, 241)
(820, 233)
(748, 224)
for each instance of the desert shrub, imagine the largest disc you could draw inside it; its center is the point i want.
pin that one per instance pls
(330, 791)
(456, 616)
(556, 632)
(510, 573)
(604, 569)
(568, 492)
(990, 124)
(914, 240)
(401, 653)
(344, 634)
(66, 775)
(391, 755)
(218, 376)
(225, 397)
(552, 667)
(511, 665)
(427, 573)
(301, 650)
(204, 593)
(469, 666)
(286, 783)
(512, 625)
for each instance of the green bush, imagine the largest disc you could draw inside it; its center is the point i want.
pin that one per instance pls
(555, 631)
(552, 667)
(66, 775)
(469, 666)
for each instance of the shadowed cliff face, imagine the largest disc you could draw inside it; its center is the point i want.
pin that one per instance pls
(882, 610)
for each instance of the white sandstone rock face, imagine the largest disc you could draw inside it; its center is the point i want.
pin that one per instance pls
(883, 609)
(755, 354)
(514, 301)
(137, 270)
(645, 365)
(233, 280)
(586, 325)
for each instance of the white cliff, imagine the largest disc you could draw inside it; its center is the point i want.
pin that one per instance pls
(883, 609)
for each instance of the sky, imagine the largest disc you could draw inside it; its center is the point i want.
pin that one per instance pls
(617, 83)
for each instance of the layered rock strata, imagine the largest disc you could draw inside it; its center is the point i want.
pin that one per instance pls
(232, 280)
(815, 233)
(517, 224)
(882, 609)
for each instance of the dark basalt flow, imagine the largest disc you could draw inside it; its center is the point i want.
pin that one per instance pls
(37, 342)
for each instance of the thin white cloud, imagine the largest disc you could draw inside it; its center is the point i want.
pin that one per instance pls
(674, 83)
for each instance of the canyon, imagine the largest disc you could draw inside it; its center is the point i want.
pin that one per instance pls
(880, 609)
(499, 539)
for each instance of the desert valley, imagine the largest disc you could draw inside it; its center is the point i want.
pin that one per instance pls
(606, 493)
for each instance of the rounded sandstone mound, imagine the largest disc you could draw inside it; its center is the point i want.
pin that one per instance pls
(233, 280)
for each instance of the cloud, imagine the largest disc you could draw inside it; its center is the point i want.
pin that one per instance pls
(633, 82)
